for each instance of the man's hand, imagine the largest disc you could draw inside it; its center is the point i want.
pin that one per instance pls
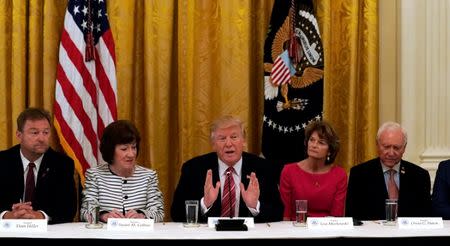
(251, 195)
(209, 192)
(23, 211)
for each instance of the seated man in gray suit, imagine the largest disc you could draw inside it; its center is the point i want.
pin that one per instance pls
(388, 176)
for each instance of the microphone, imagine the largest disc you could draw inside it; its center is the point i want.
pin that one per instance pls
(229, 195)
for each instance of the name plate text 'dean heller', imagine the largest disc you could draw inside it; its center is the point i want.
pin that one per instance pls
(20, 225)
(117, 224)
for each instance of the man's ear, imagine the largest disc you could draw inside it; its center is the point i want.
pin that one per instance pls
(19, 135)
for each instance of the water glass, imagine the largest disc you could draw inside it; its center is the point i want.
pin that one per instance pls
(301, 209)
(391, 211)
(191, 213)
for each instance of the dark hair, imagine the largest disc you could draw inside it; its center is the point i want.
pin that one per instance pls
(325, 131)
(32, 114)
(118, 132)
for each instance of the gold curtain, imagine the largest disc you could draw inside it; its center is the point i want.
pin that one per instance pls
(350, 39)
(181, 64)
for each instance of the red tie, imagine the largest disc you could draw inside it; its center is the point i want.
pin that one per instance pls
(229, 194)
(29, 186)
(392, 186)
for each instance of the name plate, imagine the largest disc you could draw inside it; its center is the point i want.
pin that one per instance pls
(420, 223)
(330, 222)
(20, 225)
(119, 224)
(248, 221)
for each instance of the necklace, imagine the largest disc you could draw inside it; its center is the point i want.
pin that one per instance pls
(316, 183)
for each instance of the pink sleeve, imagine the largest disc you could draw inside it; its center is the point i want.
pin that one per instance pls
(285, 192)
(341, 192)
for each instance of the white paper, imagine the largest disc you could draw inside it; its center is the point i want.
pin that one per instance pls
(420, 222)
(21, 225)
(329, 223)
(119, 224)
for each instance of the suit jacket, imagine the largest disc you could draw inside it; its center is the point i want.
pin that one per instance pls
(192, 181)
(55, 189)
(366, 192)
(441, 191)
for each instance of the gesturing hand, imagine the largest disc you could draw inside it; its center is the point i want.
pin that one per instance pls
(210, 192)
(251, 195)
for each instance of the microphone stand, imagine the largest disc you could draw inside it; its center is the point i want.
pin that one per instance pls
(230, 179)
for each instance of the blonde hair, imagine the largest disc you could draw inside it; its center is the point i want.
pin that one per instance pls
(224, 122)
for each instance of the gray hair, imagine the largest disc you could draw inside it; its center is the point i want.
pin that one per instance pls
(390, 126)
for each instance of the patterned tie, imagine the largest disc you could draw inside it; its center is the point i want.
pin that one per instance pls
(392, 186)
(29, 186)
(229, 194)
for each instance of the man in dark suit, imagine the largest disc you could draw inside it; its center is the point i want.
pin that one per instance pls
(441, 191)
(368, 185)
(204, 178)
(53, 195)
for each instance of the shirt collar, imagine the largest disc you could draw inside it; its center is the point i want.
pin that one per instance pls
(25, 161)
(385, 168)
(237, 167)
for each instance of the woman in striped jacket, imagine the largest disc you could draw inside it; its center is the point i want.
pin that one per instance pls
(121, 188)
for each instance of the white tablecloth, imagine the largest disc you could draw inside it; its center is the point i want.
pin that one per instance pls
(277, 230)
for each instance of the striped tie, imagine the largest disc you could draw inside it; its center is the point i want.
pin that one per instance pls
(229, 194)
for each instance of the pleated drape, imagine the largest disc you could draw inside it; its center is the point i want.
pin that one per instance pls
(181, 64)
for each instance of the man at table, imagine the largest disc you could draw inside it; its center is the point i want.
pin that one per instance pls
(36, 182)
(441, 191)
(388, 176)
(229, 170)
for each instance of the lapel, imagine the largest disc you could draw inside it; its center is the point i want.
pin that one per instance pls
(214, 166)
(403, 179)
(245, 170)
(20, 181)
(18, 168)
(380, 176)
(44, 169)
(215, 169)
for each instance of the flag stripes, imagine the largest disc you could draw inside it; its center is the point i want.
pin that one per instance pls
(85, 91)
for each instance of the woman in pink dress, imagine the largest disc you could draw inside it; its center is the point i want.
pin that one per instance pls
(315, 178)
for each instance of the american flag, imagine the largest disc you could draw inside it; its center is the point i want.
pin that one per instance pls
(293, 41)
(282, 69)
(86, 86)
